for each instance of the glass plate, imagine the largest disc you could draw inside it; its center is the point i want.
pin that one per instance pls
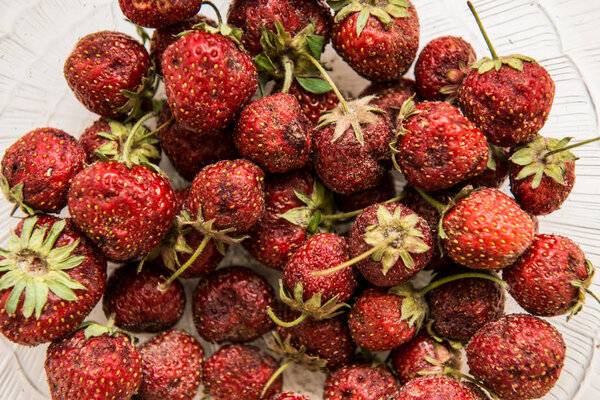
(37, 35)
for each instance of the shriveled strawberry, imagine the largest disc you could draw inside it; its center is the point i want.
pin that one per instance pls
(494, 175)
(108, 73)
(138, 302)
(441, 67)
(156, 14)
(91, 361)
(518, 356)
(274, 132)
(380, 40)
(390, 96)
(239, 372)
(385, 190)
(289, 396)
(313, 104)
(360, 381)
(439, 388)
(172, 366)
(69, 275)
(38, 169)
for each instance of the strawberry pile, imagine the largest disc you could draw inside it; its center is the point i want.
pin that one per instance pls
(301, 178)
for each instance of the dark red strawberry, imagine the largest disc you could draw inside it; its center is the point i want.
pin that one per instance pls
(69, 273)
(240, 372)
(437, 147)
(252, 16)
(379, 41)
(508, 98)
(38, 169)
(494, 175)
(313, 104)
(156, 14)
(138, 301)
(94, 360)
(274, 133)
(384, 191)
(108, 72)
(390, 96)
(518, 356)
(172, 367)
(289, 396)
(439, 388)
(230, 305)
(360, 382)
(413, 357)
(442, 66)
(551, 278)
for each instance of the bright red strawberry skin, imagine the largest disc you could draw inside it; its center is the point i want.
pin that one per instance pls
(518, 356)
(390, 96)
(137, 301)
(239, 372)
(487, 230)
(440, 147)
(81, 369)
(230, 305)
(125, 211)
(289, 396)
(59, 317)
(231, 192)
(45, 160)
(172, 366)
(101, 66)
(313, 104)
(360, 381)
(438, 388)
(541, 280)
(208, 79)
(156, 14)
(509, 106)
(251, 15)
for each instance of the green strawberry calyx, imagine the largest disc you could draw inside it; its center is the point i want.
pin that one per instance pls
(456, 345)
(32, 264)
(456, 76)
(384, 10)
(309, 216)
(296, 354)
(94, 330)
(15, 195)
(414, 307)
(231, 32)
(407, 110)
(584, 290)
(140, 100)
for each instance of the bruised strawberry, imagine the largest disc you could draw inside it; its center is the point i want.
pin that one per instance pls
(156, 14)
(518, 356)
(138, 302)
(385, 190)
(439, 388)
(313, 104)
(390, 96)
(495, 174)
(172, 366)
(239, 372)
(65, 265)
(274, 132)
(38, 169)
(289, 396)
(230, 305)
(360, 381)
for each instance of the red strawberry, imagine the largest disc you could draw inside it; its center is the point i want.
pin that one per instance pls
(274, 132)
(139, 303)
(385, 190)
(38, 169)
(289, 396)
(390, 96)
(172, 366)
(388, 31)
(69, 273)
(239, 372)
(439, 388)
(442, 66)
(107, 72)
(208, 79)
(230, 305)
(413, 357)
(313, 104)
(92, 361)
(360, 382)
(518, 356)
(494, 175)
(438, 147)
(551, 278)
(486, 230)
(252, 16)
(156, 14)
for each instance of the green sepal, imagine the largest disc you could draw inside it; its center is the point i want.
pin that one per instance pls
(414, 307)
(584, 290)
(464, 192)
(135, 107)
(319, 202)
(296, 354)
(231, 32)
(385, 13)
(338, 4)
(456, 345)
(313, 307)
(406, 111)
(94, 330)
(360, 113)
(514, 61)
(15, 195)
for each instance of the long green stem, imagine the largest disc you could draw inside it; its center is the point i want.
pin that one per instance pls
(448, 279)
(288, 65)
(325, 75)
(214, 7)
(131, 137)
(181, 270)
(482, 29)
(285, 324)
(356, 259)
(160, 128)
(274, 377)
(352, 214)
(433, 202)
(588, 291)
(572, 146)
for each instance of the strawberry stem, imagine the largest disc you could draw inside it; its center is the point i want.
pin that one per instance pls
(572, 146)
(433, 202)
(352, 214)
(181, 270)
(588, 291)
(214, 7)
(274, 377)
(448, 279)
(325, 75)
(482, 29)
(452, 371)
(160, 128)
(285, 324)
(288, 65)
(130, 139)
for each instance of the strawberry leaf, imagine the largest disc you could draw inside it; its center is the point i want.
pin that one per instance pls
(314, 85)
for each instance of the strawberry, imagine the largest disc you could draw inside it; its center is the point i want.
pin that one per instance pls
(518, 356)
(509, 98)
(153, 14)
(109, 73)
(51, 278)
(38, 169)
(313, 104)
(239, 372)
(437, 147)
(389, 32)
(390, 96)
(289, 396)
(254, 16)
(385, 190)
(274, 133)
(230, 305)
(439, 388)
(172, 366)
(494, 175)
(92, 361)
(416, 356)
(360, 382)
(551, 278)
(441, 67)
(138, 302)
